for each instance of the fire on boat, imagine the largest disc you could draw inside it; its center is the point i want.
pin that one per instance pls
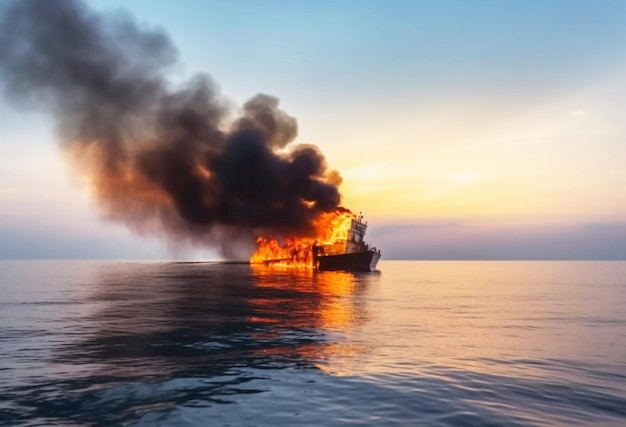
(338, 245)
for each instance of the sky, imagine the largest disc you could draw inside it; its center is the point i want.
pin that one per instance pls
(463, 130)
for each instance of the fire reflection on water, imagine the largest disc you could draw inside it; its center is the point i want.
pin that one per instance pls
(334, 309)
(208, 319)
(332, 296)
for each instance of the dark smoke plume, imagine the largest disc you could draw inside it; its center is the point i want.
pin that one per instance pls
(174, 161)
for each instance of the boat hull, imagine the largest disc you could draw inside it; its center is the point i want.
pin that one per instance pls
(357, 261)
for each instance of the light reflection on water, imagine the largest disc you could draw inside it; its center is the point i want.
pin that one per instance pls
(439, 343)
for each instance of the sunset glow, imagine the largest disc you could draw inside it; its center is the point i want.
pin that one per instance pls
(435, 122)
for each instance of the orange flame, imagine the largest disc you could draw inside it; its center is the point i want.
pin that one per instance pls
(331, 234)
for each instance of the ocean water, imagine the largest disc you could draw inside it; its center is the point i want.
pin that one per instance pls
(419, 343)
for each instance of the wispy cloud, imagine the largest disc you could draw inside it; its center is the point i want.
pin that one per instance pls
(577, 113)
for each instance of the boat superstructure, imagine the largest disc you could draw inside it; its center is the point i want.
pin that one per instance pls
(348, 252)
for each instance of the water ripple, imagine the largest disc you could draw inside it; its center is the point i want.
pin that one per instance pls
(440, 344)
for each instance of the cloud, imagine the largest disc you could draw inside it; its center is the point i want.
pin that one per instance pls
(599, 241)
(577, 113)
(20, 243)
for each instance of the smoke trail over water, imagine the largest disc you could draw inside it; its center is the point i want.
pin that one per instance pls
(171, 161)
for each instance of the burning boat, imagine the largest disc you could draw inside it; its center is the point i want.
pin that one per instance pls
(339, 245)
(351, 253)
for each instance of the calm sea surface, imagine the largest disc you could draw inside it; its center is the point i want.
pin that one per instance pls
(421, 343)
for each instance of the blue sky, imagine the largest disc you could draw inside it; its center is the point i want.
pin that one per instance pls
(503, 118)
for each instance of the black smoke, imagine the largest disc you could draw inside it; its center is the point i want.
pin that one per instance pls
(169, 160)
